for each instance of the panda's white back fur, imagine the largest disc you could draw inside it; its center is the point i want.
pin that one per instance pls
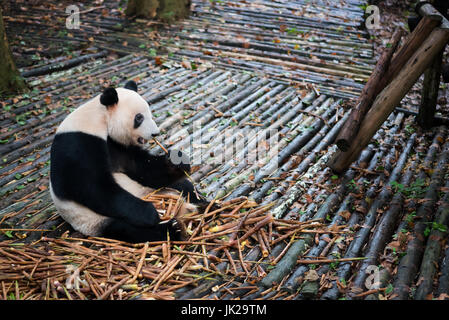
(91, 118)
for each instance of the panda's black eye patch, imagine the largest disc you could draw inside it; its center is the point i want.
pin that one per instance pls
(138, 119)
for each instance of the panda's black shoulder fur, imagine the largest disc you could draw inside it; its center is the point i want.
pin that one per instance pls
(131, 85)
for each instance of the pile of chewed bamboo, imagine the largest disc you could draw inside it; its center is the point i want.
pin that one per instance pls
(99, 268)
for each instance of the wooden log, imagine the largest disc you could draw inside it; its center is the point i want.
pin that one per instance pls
(63, 65)
(408, 267)
(369, 93)
(424, 28)
(433, 249)
(416, 38)
(443, 279)
(427, 10)
(287, 263)
(384, 228)
(390, 97)
(422, 31)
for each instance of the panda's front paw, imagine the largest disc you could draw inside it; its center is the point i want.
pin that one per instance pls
(148, 217)
(178, 163)
(176, 229)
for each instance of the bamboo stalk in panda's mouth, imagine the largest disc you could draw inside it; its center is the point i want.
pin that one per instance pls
(160, 145)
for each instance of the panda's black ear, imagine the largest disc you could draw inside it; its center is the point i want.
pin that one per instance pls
(131, 85)
(109, 97)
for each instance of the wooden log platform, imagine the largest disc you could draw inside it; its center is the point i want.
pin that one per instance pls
(246, 69)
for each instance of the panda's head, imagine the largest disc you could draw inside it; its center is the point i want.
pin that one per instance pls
(129, 117)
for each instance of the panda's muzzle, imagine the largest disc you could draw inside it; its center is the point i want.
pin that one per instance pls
(141, 140)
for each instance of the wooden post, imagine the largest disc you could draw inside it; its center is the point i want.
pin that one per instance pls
(432, 76)
(429, 93)
(445, 72)
(369, 93)
(392, 95)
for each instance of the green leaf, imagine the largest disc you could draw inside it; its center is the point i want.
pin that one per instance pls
(9, 234)
(152, 52)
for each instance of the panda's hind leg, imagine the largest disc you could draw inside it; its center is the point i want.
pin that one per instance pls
(121, 230)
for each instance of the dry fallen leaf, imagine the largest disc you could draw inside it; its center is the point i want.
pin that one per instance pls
(311, 275)
(186, 64)
(158, 61)
(345, 214)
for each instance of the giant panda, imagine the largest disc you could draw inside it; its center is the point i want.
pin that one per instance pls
(100, 170)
